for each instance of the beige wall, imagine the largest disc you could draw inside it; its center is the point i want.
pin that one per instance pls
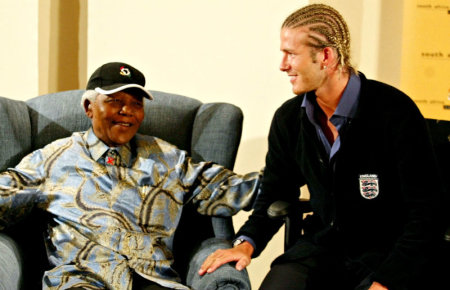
(225, 51)
(18, 49)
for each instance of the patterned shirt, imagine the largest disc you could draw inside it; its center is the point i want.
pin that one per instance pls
(115, 213)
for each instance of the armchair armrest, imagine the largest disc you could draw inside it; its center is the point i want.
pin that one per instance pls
(279, 209)
(292, 214)
(282, 209)
(225, 277)
(10, 264)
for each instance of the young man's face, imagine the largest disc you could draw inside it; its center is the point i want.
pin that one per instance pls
(116, 118)
(300, 61)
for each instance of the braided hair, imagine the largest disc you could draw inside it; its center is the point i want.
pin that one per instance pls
(327, 28)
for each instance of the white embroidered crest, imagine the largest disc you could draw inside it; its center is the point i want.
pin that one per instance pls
(369, 185)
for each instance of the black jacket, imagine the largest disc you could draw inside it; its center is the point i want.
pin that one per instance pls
(385, 151)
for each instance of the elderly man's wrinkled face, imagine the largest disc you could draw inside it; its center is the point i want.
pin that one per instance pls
(116, 118)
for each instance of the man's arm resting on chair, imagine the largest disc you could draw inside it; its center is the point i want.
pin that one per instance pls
(241, 254)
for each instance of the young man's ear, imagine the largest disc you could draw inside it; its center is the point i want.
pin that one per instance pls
(88, 108)
(329, 57)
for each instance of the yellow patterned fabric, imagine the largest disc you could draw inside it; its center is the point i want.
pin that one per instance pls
(113, 217)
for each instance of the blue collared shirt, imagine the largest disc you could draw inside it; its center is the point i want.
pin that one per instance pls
(345, 111)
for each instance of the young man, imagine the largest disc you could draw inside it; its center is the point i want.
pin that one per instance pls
(363, 150)
(116, 196)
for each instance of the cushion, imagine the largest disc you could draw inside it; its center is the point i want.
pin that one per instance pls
(15, 131)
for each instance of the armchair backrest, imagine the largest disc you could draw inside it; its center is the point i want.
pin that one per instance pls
(15, 132)
(207, 131)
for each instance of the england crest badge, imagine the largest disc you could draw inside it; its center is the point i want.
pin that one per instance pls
(369, 186)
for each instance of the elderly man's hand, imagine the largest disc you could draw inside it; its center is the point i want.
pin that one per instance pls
(241, 254)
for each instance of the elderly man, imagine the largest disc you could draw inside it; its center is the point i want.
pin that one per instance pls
(363, 150)
(115, 195)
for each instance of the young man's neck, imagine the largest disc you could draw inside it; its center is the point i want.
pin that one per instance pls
(329, 95)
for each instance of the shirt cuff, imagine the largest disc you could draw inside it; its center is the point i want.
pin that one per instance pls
(247, 239)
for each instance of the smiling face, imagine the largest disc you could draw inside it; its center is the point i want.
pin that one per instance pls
(116, 118)
(300, 61)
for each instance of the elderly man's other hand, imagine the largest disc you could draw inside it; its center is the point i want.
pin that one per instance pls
(241, 254)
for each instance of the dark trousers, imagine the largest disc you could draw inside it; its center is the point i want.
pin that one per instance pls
(140, 283)
(317, 273)
(334, 272)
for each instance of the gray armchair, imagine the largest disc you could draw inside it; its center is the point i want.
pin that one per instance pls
(207, 131)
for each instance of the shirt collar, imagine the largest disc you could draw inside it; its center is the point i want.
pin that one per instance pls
(348, 103)
(98, 149)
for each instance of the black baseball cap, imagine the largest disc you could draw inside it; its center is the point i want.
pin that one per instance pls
(114, 77)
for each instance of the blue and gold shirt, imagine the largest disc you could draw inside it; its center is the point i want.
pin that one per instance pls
(116, 213)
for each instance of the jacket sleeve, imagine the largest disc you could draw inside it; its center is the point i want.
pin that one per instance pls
(281, 181)
(19, 188)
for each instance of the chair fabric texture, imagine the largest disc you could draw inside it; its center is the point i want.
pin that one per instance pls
(15, 132)
(10, 264)
(207, 131)
(236, 280)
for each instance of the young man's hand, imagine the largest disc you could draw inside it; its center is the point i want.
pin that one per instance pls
(377, 286)
(241, 254)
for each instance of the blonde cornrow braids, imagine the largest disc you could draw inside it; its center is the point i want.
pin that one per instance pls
(327, 29)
